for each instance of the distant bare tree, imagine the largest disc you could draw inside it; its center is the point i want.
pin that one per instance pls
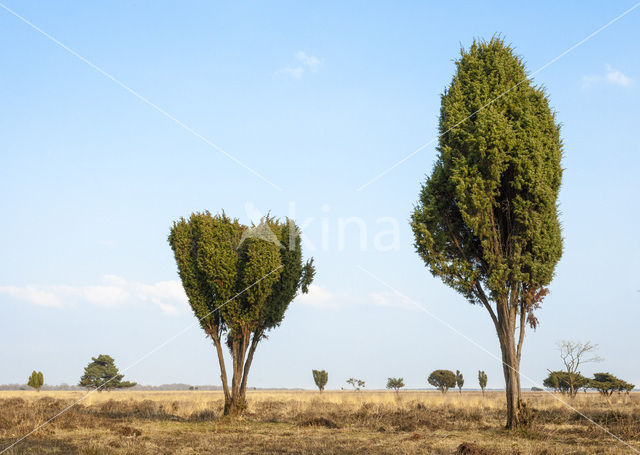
(574, 354)
(356, 383)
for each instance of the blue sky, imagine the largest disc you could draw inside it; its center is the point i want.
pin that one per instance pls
(318, 98)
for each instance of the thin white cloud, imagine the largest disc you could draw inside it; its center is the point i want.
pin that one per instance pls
(304, 62)
(610, 76)
(294, 72)
(617, 77)
(32, 295)
(389, 299)
(320, 297)
(168, 296)
(590, 80)
(309, 61)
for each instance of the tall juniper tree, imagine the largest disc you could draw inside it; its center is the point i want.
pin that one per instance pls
(240, 281)
(486, 221)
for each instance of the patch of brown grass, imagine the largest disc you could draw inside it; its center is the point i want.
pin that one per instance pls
(130, 422)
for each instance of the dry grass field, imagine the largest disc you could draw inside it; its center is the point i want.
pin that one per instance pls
(301, 422)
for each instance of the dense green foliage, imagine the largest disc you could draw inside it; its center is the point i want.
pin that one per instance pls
(459, 380)
(488, 212)
(442, 379)
(240, 281)
(486, 222)
(482, 380)
(606, 384)
(395, 384)
(36, 380)
(320, 377)
(564, 382)
(102, 374)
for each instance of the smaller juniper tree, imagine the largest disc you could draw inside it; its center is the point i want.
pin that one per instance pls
(395, 384)
(459, 380)
(482, 380)
(36, 380)
(442, 380)
(320, 377)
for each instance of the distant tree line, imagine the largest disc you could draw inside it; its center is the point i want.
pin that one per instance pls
(571, 383)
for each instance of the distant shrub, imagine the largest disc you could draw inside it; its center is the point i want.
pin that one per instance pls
(482, 380)
(320, 377)
(606, 384)
(36, 380)
(395, 384)
(459, 380)
(442, 380)
(357, 384)
(564, 382)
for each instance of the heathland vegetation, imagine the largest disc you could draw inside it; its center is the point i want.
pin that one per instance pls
(127, 422)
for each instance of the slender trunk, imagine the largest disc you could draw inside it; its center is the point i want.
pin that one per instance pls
(239, 346)
(512, 385)
(247, 364)
(215, 335)
(523, 312)
(510, 362)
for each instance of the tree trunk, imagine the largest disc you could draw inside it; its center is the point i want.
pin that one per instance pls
(223, 370)
(239, 346)
(510, 363)
(504, 319)
(247, 365)
(512, 386)
(235, 396)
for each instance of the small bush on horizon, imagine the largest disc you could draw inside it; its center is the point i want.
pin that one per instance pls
(459, 380)
(357, 384)
(395, 384)
(606, 384)
(36, 380)
(320, 377)
(442, 380)
(482, 380)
